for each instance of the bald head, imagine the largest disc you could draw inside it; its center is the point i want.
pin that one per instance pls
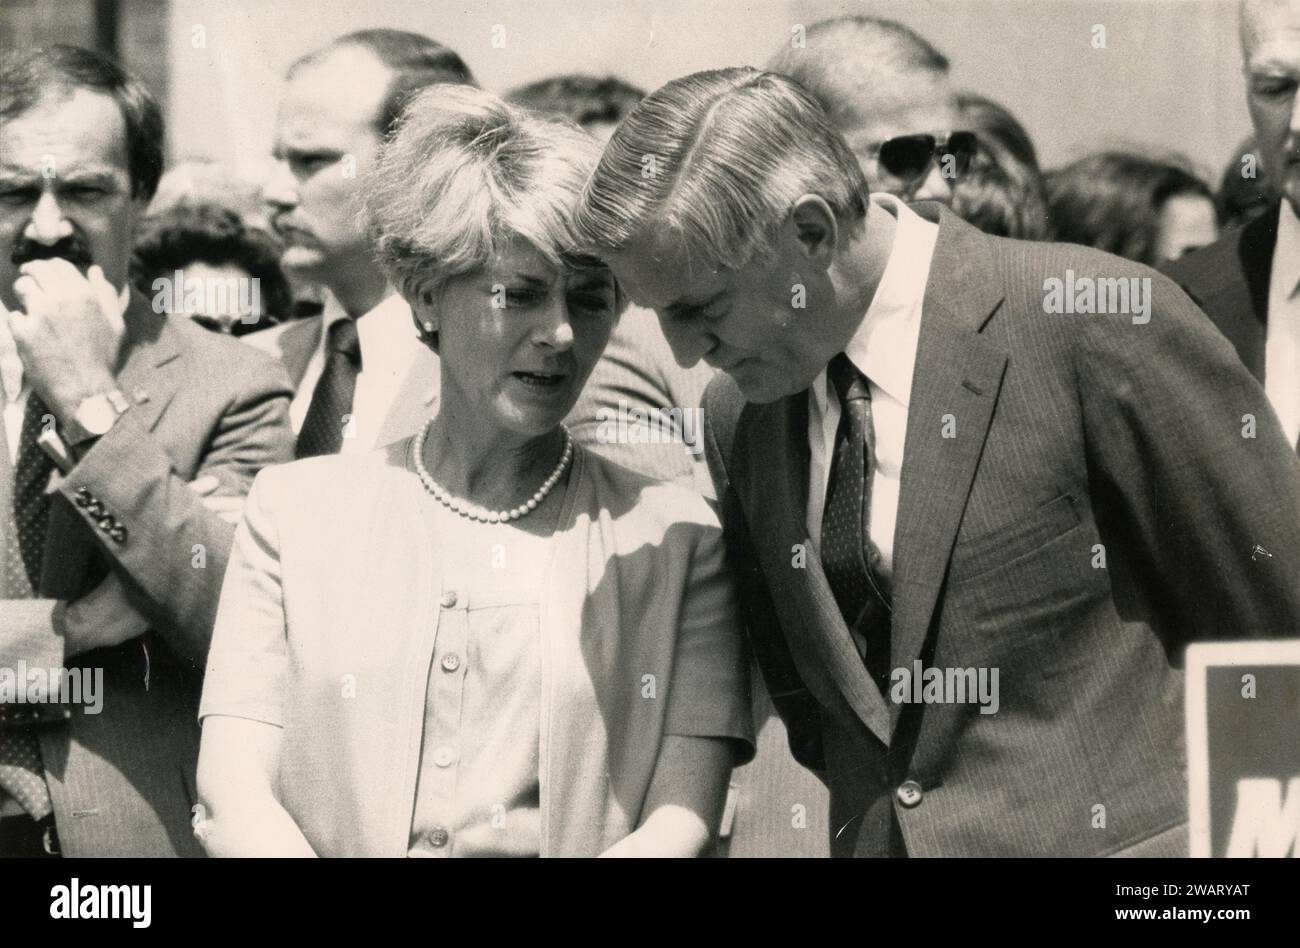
(406, 62)
(877, 79)
(860, 66)
(1270, 45)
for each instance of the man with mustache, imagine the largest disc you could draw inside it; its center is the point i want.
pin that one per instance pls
(115, 421)
(1249, 281)
(362, 378)
(927, 473)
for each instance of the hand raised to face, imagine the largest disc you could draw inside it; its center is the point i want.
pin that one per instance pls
(68, 332)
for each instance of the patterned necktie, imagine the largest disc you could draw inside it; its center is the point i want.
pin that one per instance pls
(31, 475)
(22, 775)
(322, 429)
(850, 559)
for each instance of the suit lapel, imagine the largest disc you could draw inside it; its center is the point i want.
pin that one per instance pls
(297, 344)
(150, 374)
(1255, 257)
(1258, 241)
(786, 491)
(1229, 280)
(959, 373)
(292, 343)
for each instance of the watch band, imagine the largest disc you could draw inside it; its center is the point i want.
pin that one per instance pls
(84, 426)
(117, 398)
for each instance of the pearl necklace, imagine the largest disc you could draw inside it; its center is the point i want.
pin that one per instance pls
(474, 511)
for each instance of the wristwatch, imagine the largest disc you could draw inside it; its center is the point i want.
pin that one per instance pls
(96, 414)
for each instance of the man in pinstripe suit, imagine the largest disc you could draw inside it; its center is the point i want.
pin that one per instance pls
(111, 554)
(931, 472)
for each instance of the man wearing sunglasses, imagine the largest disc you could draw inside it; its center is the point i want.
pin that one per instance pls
(887, 91)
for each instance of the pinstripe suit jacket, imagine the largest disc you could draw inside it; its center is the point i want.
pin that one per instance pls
(1094, 512)
(122, 780)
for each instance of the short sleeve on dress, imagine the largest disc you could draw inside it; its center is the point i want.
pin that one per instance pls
(248, 658)
(708, 695)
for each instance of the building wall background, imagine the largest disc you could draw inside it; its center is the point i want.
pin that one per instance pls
(1169, 78)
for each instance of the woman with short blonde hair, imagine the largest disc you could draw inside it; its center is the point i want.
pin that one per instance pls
(482, 640)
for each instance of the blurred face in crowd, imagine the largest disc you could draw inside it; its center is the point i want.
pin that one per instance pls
(932, 114)
(325, 139)
(745, 322)
(1187, 222)
(518, 338)
(217, 297)
(65, 188)
(1271, 48)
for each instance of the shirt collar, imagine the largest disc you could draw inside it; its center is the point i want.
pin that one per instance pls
(1286, 255)
(331, 312)
(11, 367)
(387, 328)
(883, 347)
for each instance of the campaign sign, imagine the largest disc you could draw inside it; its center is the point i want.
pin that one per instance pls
(1243, 748)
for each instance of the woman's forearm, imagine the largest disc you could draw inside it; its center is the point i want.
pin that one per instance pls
(239, 814)
(253, 827)
(684, 801)
(672, 832)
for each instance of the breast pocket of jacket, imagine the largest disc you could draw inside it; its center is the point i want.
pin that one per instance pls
(1028, 581)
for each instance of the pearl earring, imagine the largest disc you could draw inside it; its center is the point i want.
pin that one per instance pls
(428, 326)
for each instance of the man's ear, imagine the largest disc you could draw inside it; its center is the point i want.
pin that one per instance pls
(813, 226)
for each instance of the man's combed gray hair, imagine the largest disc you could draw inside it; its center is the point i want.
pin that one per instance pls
(462, 176)
(719, 158)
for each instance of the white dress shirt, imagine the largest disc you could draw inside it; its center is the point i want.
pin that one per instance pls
(1282, 340)
(389, 346)
(884, 350)
(13, 390)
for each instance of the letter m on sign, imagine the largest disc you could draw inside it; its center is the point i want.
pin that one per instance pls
(1243, 759)
(1266, 823)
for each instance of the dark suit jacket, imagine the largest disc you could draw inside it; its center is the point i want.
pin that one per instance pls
(1076, 436)
(1229, 281)
(122, 780)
